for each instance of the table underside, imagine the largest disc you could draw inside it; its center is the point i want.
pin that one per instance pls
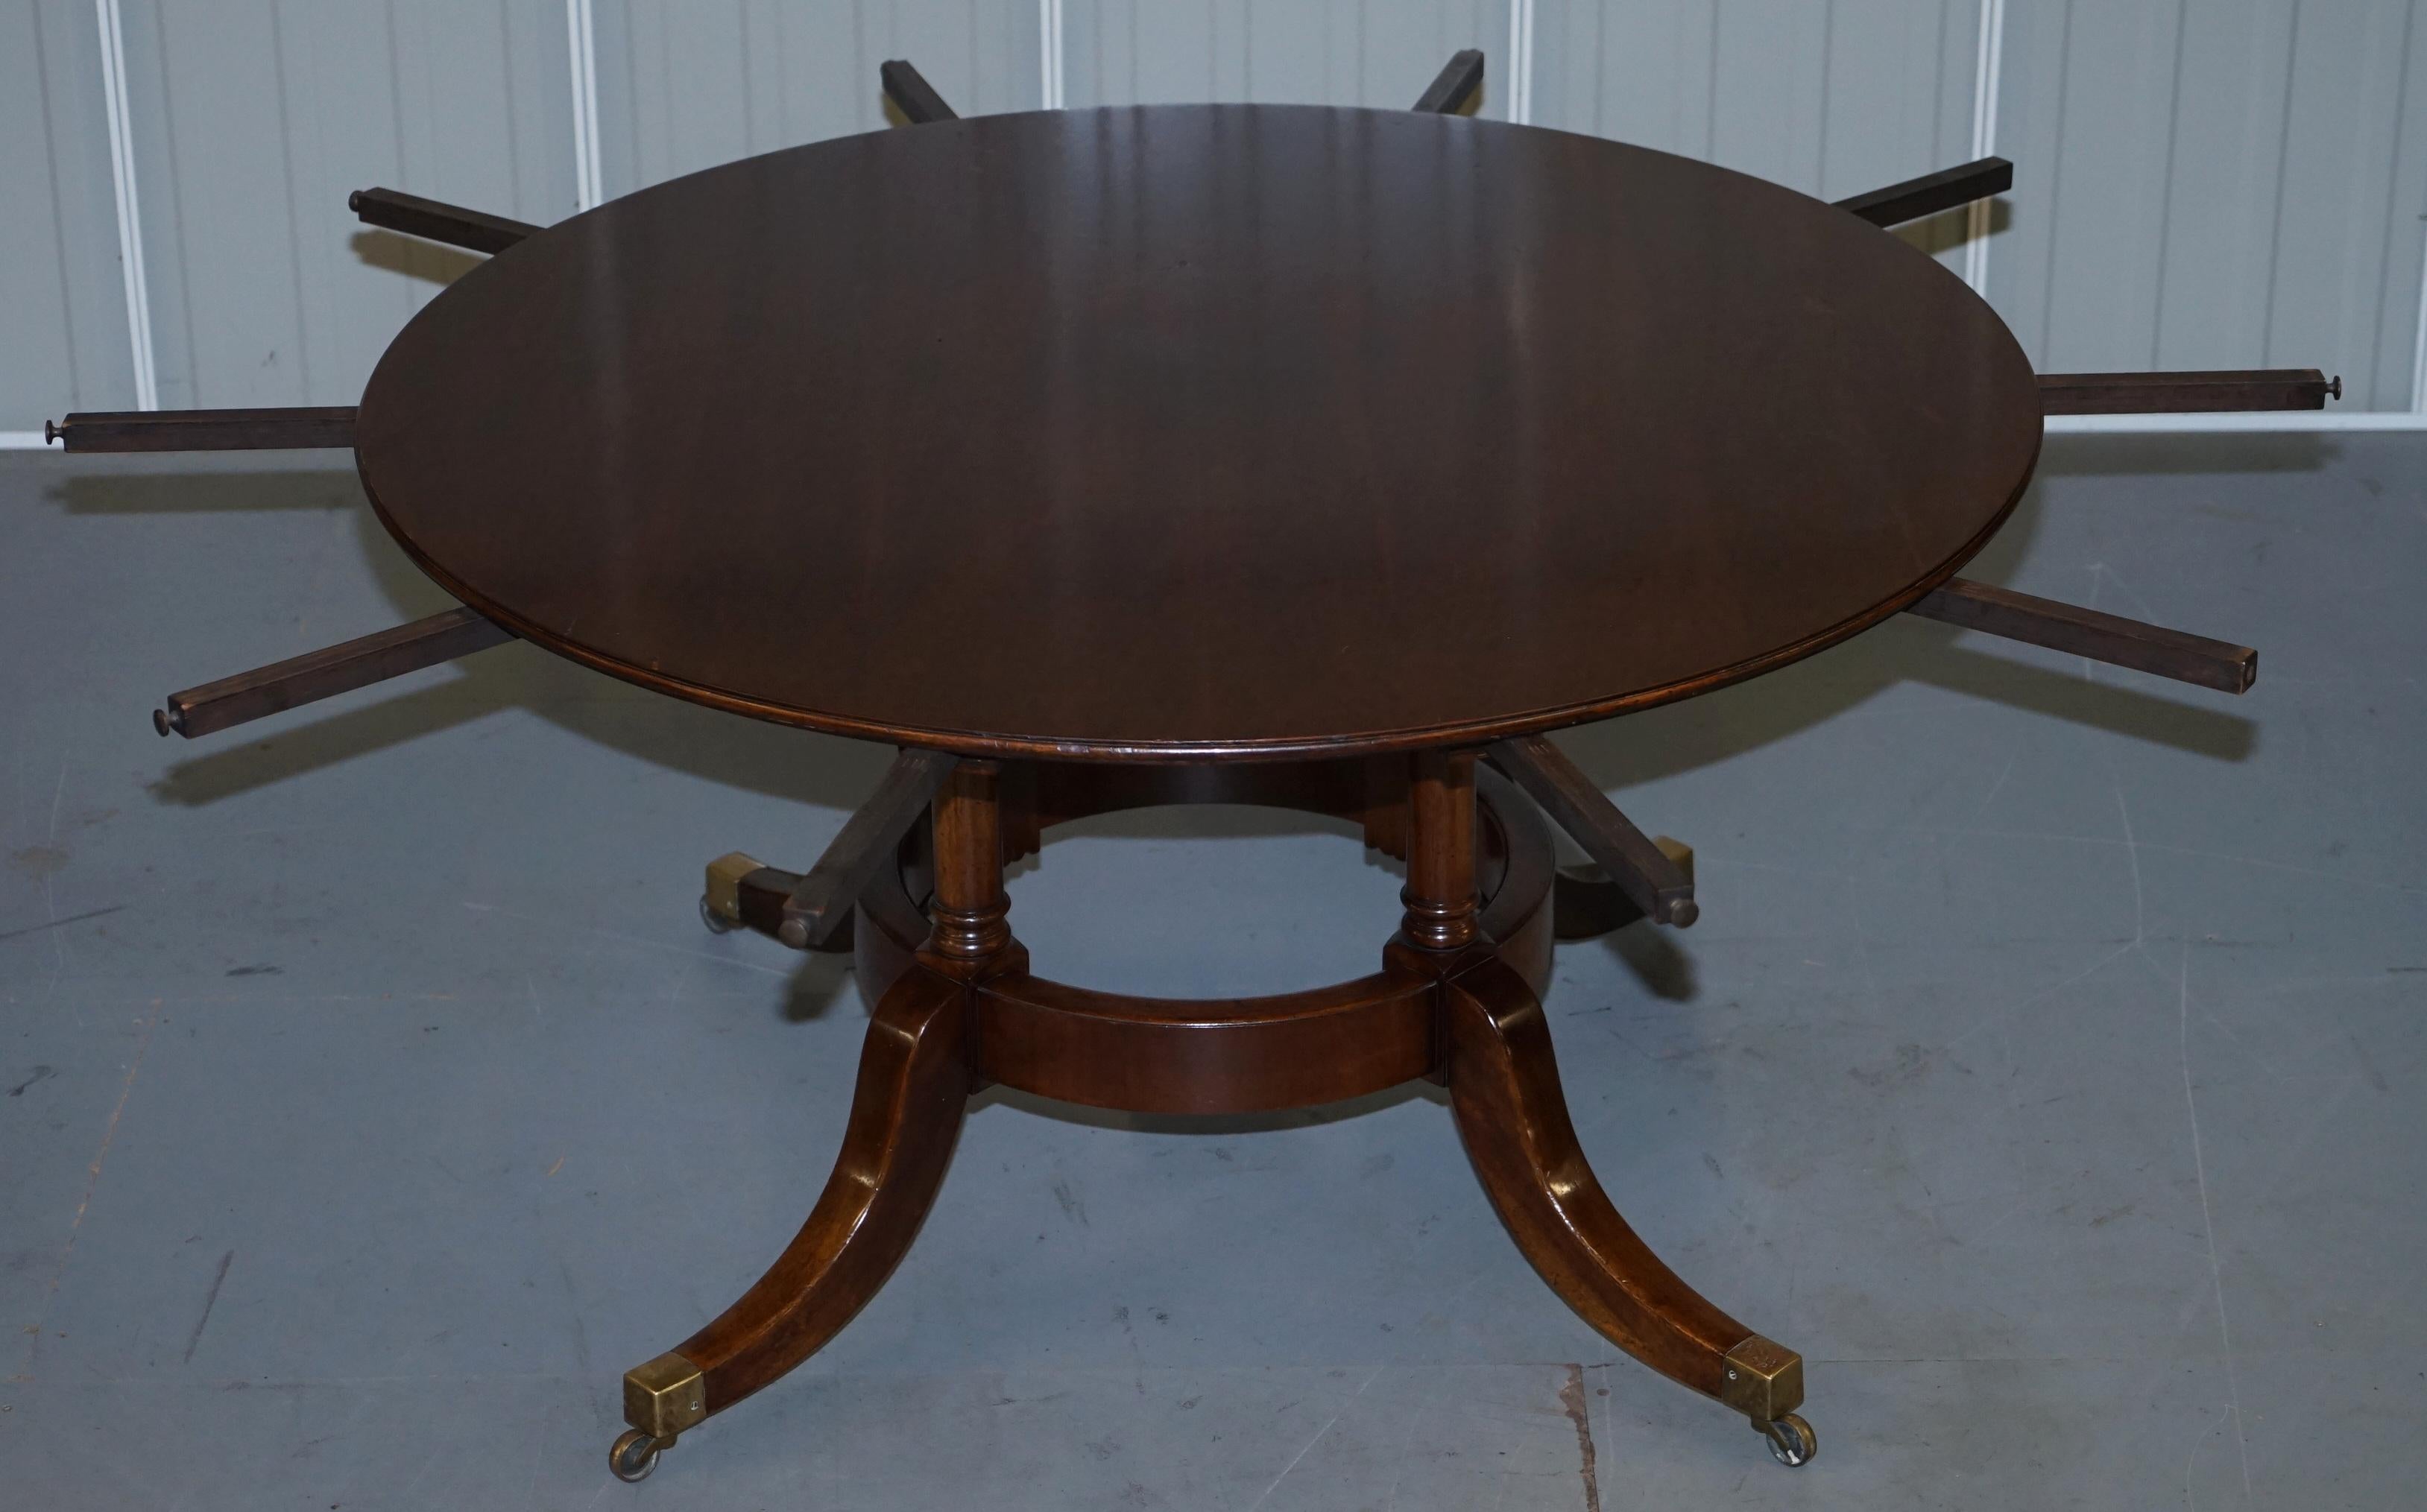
(1457, 1000)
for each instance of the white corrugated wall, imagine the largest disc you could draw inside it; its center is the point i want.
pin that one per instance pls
(2235, 183)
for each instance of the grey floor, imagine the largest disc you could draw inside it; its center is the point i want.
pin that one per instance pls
(2047, 1067)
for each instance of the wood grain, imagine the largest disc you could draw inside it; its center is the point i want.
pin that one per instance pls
(1181, 433)
(2186, 393)
(906, 1114)
(205, 429)
(2093, 633)
(1659, 888)
(1504, 1086)
(1216, 1054)
(328, 672)
(867, 843)
(434, 220)
(1933, 192)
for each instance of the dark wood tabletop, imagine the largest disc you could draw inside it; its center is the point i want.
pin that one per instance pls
(1185, 432)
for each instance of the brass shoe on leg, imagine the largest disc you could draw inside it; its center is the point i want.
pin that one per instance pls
(1504, 1085)
(905, 1114)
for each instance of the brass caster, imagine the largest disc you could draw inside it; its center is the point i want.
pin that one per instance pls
(1791, 1440)
(720, 906)
(634, 1454)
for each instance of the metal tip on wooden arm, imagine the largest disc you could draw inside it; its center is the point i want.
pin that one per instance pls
(329, 671)
(1637, 864)
(2226, 390)
(2093, 633)
(294, 428)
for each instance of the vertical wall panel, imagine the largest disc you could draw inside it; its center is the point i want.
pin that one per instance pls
(1831, 98)
(63, 341)
(2199, 183)
(1381, 52)
(1897, 96)
(254, 119)
(205, 101)
(2219, 247)
(2393, 386)
(1770, 61)
(2339, 151)
(1637, 71)
(683, 88)
(2076, 274)
(37, 323)
(2227, 184)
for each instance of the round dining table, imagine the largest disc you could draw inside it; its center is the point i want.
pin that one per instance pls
(1300, 456)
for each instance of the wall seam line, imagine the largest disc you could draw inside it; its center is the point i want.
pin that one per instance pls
(130, 214)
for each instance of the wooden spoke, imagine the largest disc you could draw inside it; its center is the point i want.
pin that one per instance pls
(329, 671)
(1933, 192)
(743, 892)
(868, 841)
(2087, 632)
(912, 95)
(2188, 393)
(905, 1115)
(1587, 903)
(1663, 890)
(203, 430)
(1504, 1089)
(432, 220)
(1455, 87)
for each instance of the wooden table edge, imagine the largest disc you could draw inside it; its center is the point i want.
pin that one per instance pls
(1291, 748)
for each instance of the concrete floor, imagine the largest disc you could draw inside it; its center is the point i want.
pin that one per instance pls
(2045, 1067)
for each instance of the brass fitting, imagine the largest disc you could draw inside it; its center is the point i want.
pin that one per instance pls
(1764, 1380)
(664, 1397)
(724, 895)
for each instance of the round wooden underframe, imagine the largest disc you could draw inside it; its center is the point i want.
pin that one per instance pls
(1215, 1055)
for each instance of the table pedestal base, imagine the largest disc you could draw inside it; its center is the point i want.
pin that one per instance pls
(1458, 1001)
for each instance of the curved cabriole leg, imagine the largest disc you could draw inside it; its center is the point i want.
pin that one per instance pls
(914, 1085)
(1504, 1087)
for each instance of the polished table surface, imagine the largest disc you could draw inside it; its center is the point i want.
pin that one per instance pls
(1200, 432)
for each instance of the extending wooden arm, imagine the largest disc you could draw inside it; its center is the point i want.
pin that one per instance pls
(329, 671)
(825, 896)
(1642, 870)
(2087, 632)
(203, 430)
(2262, 388)
(432, 220)
(1454, 85)
(912, 95)
(1933, 192)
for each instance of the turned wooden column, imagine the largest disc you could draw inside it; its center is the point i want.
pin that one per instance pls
(968, 917)
(1440, 897)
